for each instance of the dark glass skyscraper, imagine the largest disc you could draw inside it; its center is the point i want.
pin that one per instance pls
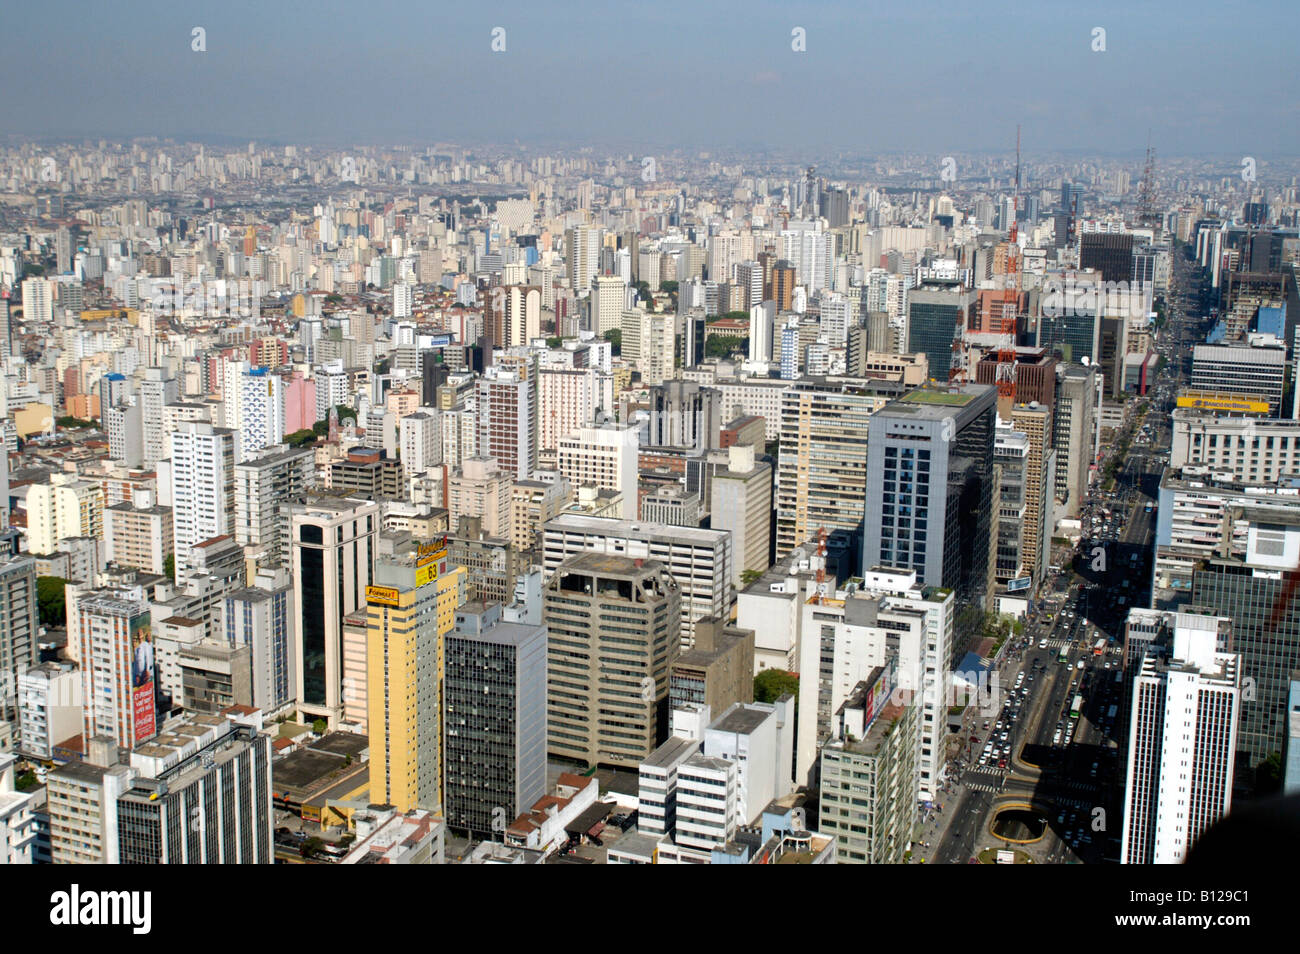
(930, 493)
(1266, 637)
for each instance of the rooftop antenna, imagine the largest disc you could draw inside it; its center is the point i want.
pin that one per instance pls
(1005, 377)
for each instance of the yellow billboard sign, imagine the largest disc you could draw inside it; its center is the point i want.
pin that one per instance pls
(385, 595)
(1237, 403)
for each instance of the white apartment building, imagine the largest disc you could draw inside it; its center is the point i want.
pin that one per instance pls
(480, 488)
(421, 441)
(708, 797)
(605, 456)
(203, 487)
(741, 503)
(1182, 745)
(65, 507)
(262, 411)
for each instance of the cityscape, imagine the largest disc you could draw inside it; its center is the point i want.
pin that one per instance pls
(408, 500)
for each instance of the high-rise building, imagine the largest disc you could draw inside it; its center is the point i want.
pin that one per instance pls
(201, 794)
(514, 315)
(1076, 426)
(1182, 744)
(604, 456)
(49, 708)
(17, 819)
(157, 390)
(821, 478)
(1035, 422)
(741, 503)
(333, 543)
(1258, 371)
(934, 314)
(614, 627)
(265, 484)
(1252, 592)
(582, 256)
(608, 301)
(118, 667)
(685, 415)
(64, 507)
(138, 534)
(404, 718)
(507, 419)
(82, 800)
(480, 488)
(1111, 253)
(19, 629)
(699, 560)
(261, 617)
(38, 301)
(868, 775)
(495, 688)
(203, 487)
(930, 481)
(262, 410)
(421, 440)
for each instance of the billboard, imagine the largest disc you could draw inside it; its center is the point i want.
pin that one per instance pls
(1237, 403)
(1023, 583)
(143, 704)
(386, 595)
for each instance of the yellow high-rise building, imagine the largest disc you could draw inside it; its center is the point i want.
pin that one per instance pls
(406, 608)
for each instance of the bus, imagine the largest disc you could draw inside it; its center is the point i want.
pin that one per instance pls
(1100, 648)
(1076, 707)
(1064, 655)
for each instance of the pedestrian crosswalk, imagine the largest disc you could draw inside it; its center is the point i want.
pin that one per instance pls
(983, 787)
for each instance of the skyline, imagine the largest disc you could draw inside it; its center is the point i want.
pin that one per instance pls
(857, 97)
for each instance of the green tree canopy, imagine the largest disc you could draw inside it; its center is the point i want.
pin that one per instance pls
(554, 341)
(722, 346)
(74, 422)
(772, 684)
(50, 601)
(319, 726)
(305, 436)
(748, 577)
(169, 566)
(615, 337)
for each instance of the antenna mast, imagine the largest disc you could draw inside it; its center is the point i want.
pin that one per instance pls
(1005, 377)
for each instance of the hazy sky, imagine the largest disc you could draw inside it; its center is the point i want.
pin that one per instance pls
(1205, 78)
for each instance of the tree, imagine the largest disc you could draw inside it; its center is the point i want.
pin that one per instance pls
(311, 846)
(321, 428)
(772, 684)
(722, 346)
(554, 341)
(748, 577)
(305, 436)
(169, 566)
(344, 413)
(73, 423)
(49, 598)
(670, 287)
(615, 337)
(319, 726)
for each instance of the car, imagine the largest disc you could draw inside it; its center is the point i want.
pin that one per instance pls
(1042, 643)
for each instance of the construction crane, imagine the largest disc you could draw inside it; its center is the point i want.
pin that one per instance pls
(1005, 377)
(821, 565)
